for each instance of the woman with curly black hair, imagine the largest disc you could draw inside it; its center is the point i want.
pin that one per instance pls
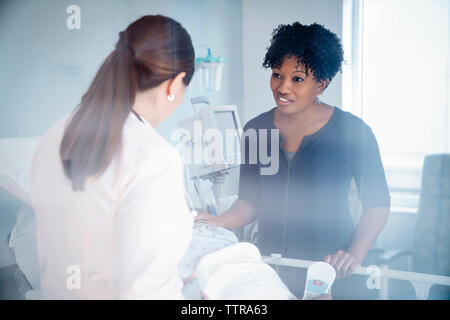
(303, 210)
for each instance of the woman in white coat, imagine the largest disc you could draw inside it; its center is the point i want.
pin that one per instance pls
(112, 221)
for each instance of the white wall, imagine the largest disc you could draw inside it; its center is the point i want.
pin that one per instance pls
(260, 17)
(46, 68)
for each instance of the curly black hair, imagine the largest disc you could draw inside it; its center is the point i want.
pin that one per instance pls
(317, 48)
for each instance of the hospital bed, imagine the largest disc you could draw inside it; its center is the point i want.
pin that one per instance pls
(377, 276)
(13, 282)
(16, 156)
(208, 239)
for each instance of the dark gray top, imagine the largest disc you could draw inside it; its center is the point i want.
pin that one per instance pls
(306, 202)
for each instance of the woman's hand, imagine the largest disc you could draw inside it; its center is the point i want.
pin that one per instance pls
(203, 216)
(344, 263)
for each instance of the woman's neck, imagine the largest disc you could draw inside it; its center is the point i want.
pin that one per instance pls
(145, 106)
(307, 116)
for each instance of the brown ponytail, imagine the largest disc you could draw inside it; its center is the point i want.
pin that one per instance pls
(151, 50)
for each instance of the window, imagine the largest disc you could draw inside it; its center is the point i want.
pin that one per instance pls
(396, 78)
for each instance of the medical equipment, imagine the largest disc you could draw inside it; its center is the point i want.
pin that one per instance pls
(211, 140)
(209, 71)
(319, 279)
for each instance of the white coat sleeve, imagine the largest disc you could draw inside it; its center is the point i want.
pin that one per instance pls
(153, 231)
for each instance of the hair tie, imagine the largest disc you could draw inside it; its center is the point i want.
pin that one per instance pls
(126, 46)
(129, 46)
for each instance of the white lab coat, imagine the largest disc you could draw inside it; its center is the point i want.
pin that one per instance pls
(124, 234)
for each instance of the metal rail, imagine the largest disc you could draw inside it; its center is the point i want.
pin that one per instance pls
(378, 276)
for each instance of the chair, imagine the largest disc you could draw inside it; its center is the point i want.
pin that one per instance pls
(431, 253)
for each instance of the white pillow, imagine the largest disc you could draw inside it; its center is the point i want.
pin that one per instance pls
(16, 156)
(237, 272)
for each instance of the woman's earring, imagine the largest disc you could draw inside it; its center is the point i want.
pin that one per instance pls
(318, 101)
(170, 97)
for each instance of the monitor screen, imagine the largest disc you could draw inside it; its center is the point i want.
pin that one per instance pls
(225, 120)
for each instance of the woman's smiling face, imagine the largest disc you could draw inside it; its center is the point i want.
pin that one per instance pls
(292, 90)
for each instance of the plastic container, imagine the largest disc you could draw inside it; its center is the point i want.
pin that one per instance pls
(209, 71)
